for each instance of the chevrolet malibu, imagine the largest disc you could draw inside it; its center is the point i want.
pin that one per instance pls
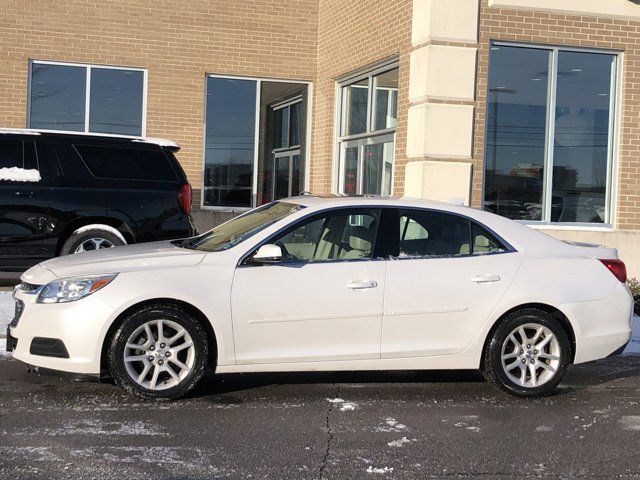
(311, 283)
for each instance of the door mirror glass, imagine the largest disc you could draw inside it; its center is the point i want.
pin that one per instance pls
(268, 253)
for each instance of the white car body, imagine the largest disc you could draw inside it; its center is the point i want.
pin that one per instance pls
(428, 313)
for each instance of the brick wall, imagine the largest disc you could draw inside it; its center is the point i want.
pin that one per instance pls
(177, 41)
(571, 30)
(352, 34)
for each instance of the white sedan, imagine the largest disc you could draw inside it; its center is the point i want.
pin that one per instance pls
(310, 283)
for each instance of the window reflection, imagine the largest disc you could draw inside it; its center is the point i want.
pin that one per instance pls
(57, 97)
(116, 99)
(518, 134)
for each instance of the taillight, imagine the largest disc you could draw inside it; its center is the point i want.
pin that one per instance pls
(616, 267)
(184, 198)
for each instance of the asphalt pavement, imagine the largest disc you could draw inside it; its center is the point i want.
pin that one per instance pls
(394, 425)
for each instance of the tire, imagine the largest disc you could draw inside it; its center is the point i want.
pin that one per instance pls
(83, 240)
(555, 354)
(137, 374)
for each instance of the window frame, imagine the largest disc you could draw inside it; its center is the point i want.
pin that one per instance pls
(256, 145)
(311, 217)
(615, 109)
(87, 96)
(508, 248)
(370, 136)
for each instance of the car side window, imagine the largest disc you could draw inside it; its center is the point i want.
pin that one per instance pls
(433, 234)
(430, 234)
(19, 159)
(339, 235)
(485, 242)
(127, 163)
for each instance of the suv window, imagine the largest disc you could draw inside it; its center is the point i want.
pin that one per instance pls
(16, 153)
(425, 233)
(339, 235)
(127, 163)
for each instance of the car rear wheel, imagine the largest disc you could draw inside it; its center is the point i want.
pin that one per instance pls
(89, 239)
(528, 354)
(158, 352)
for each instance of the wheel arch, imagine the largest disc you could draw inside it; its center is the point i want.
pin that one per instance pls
(212, 339)
(119, 225)
(556, 313)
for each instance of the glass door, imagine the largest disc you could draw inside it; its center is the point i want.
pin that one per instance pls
(286, 178)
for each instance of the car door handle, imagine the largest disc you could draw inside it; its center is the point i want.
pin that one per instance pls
(24, 194)
(359, 285)
(485, 278)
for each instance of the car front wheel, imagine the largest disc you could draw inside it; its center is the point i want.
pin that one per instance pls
(158, 352)
(528, 354)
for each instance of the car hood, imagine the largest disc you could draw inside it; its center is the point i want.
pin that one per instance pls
(144, 256)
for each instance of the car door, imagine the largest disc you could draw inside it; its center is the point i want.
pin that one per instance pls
(322, 302)
(25, 196)
(448, 275)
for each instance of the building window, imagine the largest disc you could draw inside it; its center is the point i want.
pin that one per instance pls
(254, 141)
(368, 106)
(86, 98)
(549, 138)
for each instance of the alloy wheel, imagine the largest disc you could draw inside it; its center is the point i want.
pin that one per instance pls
(93, 244)
(159, 354)
(530, 355)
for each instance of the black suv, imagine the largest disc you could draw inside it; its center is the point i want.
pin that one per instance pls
(68, 193)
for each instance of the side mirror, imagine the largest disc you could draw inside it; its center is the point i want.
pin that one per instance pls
(268, 254)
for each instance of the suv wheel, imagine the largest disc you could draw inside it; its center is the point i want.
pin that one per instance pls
(94, 238)
(528, 354)
(159, 352)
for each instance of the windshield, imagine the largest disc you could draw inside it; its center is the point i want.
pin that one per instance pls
(234, 231)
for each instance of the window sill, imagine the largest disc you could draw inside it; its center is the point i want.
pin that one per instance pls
(577, 227)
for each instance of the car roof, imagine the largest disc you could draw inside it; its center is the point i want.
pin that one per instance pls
(162, 142)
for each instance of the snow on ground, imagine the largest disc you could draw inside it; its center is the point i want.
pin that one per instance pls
(7, 309)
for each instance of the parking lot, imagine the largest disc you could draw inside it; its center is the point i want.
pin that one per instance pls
(378, 425)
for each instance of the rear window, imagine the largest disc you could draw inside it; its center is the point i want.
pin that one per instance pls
(17, 154)
(127, 163)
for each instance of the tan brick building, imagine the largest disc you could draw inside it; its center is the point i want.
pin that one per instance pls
(528, 108)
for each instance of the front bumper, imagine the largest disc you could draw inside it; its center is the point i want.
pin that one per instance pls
(42, 329)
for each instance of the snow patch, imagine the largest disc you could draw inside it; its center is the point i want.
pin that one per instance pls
(15, 174)
(544, 428)
(97, 427)
(335, 400)
(344, 405)
(634, 344)
(372, 469)
(400, 442)
(7, 311)
(3, 348)
(630, 422)
(391, 425)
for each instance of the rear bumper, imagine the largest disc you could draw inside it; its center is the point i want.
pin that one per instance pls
(601, 327)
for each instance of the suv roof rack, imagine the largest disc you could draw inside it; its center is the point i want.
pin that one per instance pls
(162, 142)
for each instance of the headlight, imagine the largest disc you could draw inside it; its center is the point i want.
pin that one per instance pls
(72, 289)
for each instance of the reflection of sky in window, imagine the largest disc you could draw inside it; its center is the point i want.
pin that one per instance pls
(57, 97)
(230, 121)
(116, 101)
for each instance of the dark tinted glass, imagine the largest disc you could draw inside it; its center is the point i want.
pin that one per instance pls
(295, 122)
(433, 234)
(230, 142)
(30, 160)
(356, 101)
(11, 154)
(516, 131)
(581, 147)
(116, 101)
(57, 97)
(71, 165)
(282, 178)
(127, 164)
